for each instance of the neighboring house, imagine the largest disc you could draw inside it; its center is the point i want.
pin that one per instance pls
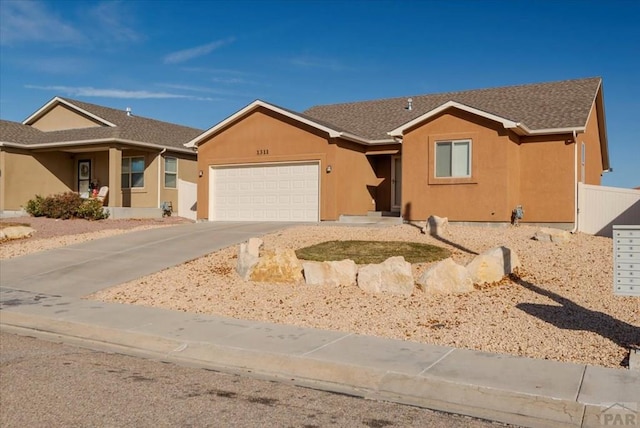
(469, 156)
(68, 145)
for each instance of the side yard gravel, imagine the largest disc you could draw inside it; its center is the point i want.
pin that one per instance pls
(561, 307)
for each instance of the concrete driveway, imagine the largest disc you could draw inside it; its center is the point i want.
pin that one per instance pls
(79, 270)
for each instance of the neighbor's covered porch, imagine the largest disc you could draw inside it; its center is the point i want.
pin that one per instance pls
(134, 176)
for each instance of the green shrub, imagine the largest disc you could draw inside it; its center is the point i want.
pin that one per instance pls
(35, 206)
(65, 206)
(92, 209)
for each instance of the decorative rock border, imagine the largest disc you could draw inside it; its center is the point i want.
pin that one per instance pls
(393, 276)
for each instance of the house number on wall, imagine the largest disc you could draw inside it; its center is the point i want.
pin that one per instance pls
(262, 152)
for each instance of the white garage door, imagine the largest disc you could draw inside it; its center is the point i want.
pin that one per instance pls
(274, 192)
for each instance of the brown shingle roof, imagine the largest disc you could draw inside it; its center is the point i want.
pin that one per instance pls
(14, 132)
(564, 104)
(132, 128)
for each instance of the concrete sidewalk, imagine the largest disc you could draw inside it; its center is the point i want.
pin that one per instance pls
(40, 296)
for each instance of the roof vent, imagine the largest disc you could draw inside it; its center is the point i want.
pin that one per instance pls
(128, 110)
(409, 104)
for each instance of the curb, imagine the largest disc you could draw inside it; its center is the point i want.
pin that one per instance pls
(422, 391)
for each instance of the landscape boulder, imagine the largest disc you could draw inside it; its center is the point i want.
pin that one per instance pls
(493, 265)
(248, 256)
(16, 232)
(436, 226)
(446, 277)
(547, 234)
(277, 266)
(392, 276)
(332, 273)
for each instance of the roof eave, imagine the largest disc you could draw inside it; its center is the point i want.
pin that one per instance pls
(517, 127)
(92, 142)
(364, 141)
(57, 100)
(602, 126)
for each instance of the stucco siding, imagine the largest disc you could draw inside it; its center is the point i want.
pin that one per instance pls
(356, 180)
(26, 175)
(265, 137)
(547, 183)
(593, 154)
(61, 117)
(187, 171)
(484, 196)
(147, 196)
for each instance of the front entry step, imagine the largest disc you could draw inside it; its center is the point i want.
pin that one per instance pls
(373, 217)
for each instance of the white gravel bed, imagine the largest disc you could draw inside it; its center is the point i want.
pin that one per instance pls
(561, 308)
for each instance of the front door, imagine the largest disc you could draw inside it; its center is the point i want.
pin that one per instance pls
(84, 175)
(396, 183)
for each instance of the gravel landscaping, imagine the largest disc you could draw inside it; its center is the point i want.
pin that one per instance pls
(560, 306)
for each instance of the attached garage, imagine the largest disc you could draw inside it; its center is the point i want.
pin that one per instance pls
(287, 192)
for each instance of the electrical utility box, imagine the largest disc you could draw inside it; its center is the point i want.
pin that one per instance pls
(626, 260)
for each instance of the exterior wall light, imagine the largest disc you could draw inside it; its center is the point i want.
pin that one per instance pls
(200, 173)
(328, 169)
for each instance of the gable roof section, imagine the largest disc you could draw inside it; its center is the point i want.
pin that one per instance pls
(117, 126)
(57, 101)
(332, 130)
(532, 109)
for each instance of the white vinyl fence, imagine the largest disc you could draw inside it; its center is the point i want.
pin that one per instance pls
(599, 208)
(187, 199)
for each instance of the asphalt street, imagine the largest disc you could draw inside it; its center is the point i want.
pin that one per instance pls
(46, 384)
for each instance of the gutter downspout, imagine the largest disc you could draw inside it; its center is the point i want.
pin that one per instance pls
(159, 175)
(575, 178)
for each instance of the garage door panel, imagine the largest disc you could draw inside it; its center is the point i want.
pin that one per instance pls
(275, 192)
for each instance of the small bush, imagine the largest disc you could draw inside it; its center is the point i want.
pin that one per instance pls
(35, 207)
(92, 209)
(65, 206)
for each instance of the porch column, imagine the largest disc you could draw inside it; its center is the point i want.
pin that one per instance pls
(115, 177)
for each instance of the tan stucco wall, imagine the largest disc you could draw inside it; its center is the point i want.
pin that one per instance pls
(591, 138)
(485, 196)
(547, 182)
(62, 117)
(343, 191)
(147, 196)
(26, 175)
(187, 171)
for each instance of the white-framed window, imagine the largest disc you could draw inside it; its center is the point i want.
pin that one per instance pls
(170, 172)
(133, 172)
(453, 158)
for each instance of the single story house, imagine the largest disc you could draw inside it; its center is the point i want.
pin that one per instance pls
(471, 156)
(69, 145)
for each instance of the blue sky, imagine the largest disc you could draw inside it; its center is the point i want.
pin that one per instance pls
(195, 63)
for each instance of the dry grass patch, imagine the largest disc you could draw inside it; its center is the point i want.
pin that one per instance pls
(365, 252)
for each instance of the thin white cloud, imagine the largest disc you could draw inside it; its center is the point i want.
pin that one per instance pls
(31, 21)
(70, 65)
(316, 62)
(231, 81)
(111, 19)
(217, 71)
(200, 89)
(187, 54)
(88, 91)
